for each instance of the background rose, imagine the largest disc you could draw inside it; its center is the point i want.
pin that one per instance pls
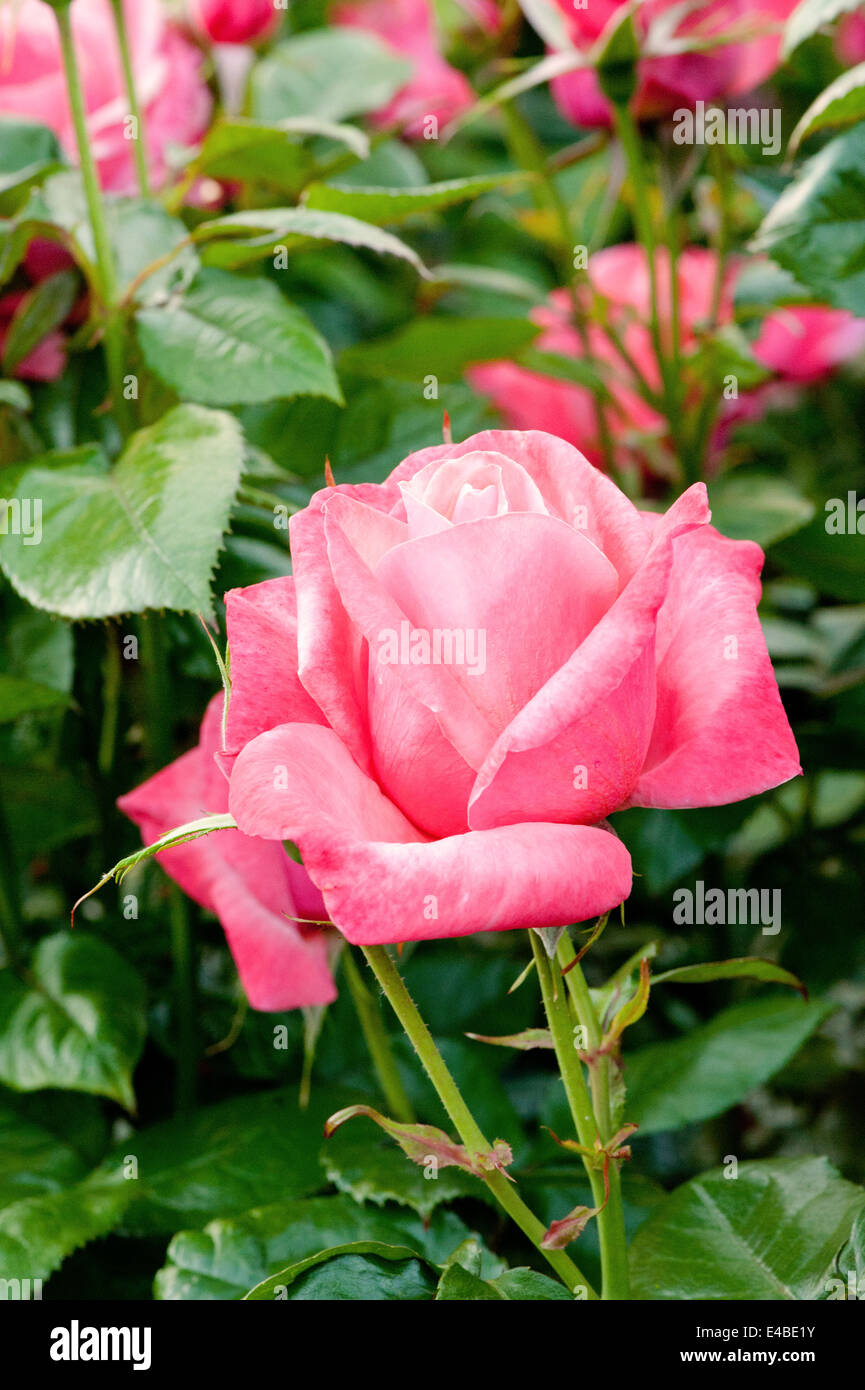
(799, 343)
(252, 886)
(174, 98)
(428, 800)
(668, 83)
(435, 88)
(234, 21)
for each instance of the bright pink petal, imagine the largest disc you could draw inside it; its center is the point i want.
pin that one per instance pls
(381, 882)
(262, 637)
(574, 752)
(720, 733)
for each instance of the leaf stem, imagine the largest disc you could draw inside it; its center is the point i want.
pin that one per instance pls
(106, 273)
(140, 141)
(377, 1040)
(467, 1127)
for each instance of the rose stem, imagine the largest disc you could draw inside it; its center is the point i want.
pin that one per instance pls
(107, 279)
(377, 1040)
(421, 1039)
(140, 141)
(612, 1224)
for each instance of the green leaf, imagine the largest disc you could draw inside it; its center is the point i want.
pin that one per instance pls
(758, 507)
(180, 835)
(143, 233)
(232, 341)
(28, 151)
(32, 1159)
(363, 1271)
(615, 57)
(842, 103)
(232, 1255)
(529, 1285)
(370, 1169)
(742, 968)
(573, 369)
(38, 1233)
(771, 1233)
(817, 226)
(22, 697)
(221, 1161)
(459, 1284)
(441, 347)
(388, 206)
(834, 564)
(78, 1024)
(328, 73)
(239, 149)
(144, 534)
(41, 310)
(241, 237)
(691, 1078)
(811, 15)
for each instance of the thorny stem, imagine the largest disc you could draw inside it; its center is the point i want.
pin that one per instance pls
(611, 1233)
(464, 1122)
(377, 1040)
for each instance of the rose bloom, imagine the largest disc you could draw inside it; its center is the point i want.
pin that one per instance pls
(253, 886)
(473, 665)
(665, 84)
(435, 88)
(174, 98)
(233, 21)
(800, 344)
(850, 39)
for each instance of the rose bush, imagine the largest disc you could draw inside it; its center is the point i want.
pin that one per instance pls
(174, 98)
(798, 343)
(624, 666)
(252, 886)
(748, 53)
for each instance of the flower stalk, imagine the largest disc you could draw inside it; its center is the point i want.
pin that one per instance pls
(377, 1040)
(464, 1122)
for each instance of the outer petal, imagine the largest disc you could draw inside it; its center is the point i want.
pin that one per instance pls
(252, 885)
(574, 752)
(262, 637)
(381, 882)
(720, 732)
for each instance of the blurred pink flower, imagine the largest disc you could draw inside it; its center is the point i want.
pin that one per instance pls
(233, 21)
(850, 39)
(667, 83)
(46, 361)
(173, 96)
(252, 885)
(435, 88)
(799, 343)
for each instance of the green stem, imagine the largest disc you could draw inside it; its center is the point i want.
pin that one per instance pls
(106, 273)
(611, 1224)
(159, 730)
(613, 1251)
(629, 137)
(464, 1122)
(112, 679)
(377, 1040)
(132, 97)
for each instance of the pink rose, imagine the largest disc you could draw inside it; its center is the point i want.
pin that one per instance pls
(233, 21)
(800, 344)
(435, 88)
(173, 96)
(804, 343)
(46, 361)
(473, 665)
(752, 54)
(252, 885)
(850, 39)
